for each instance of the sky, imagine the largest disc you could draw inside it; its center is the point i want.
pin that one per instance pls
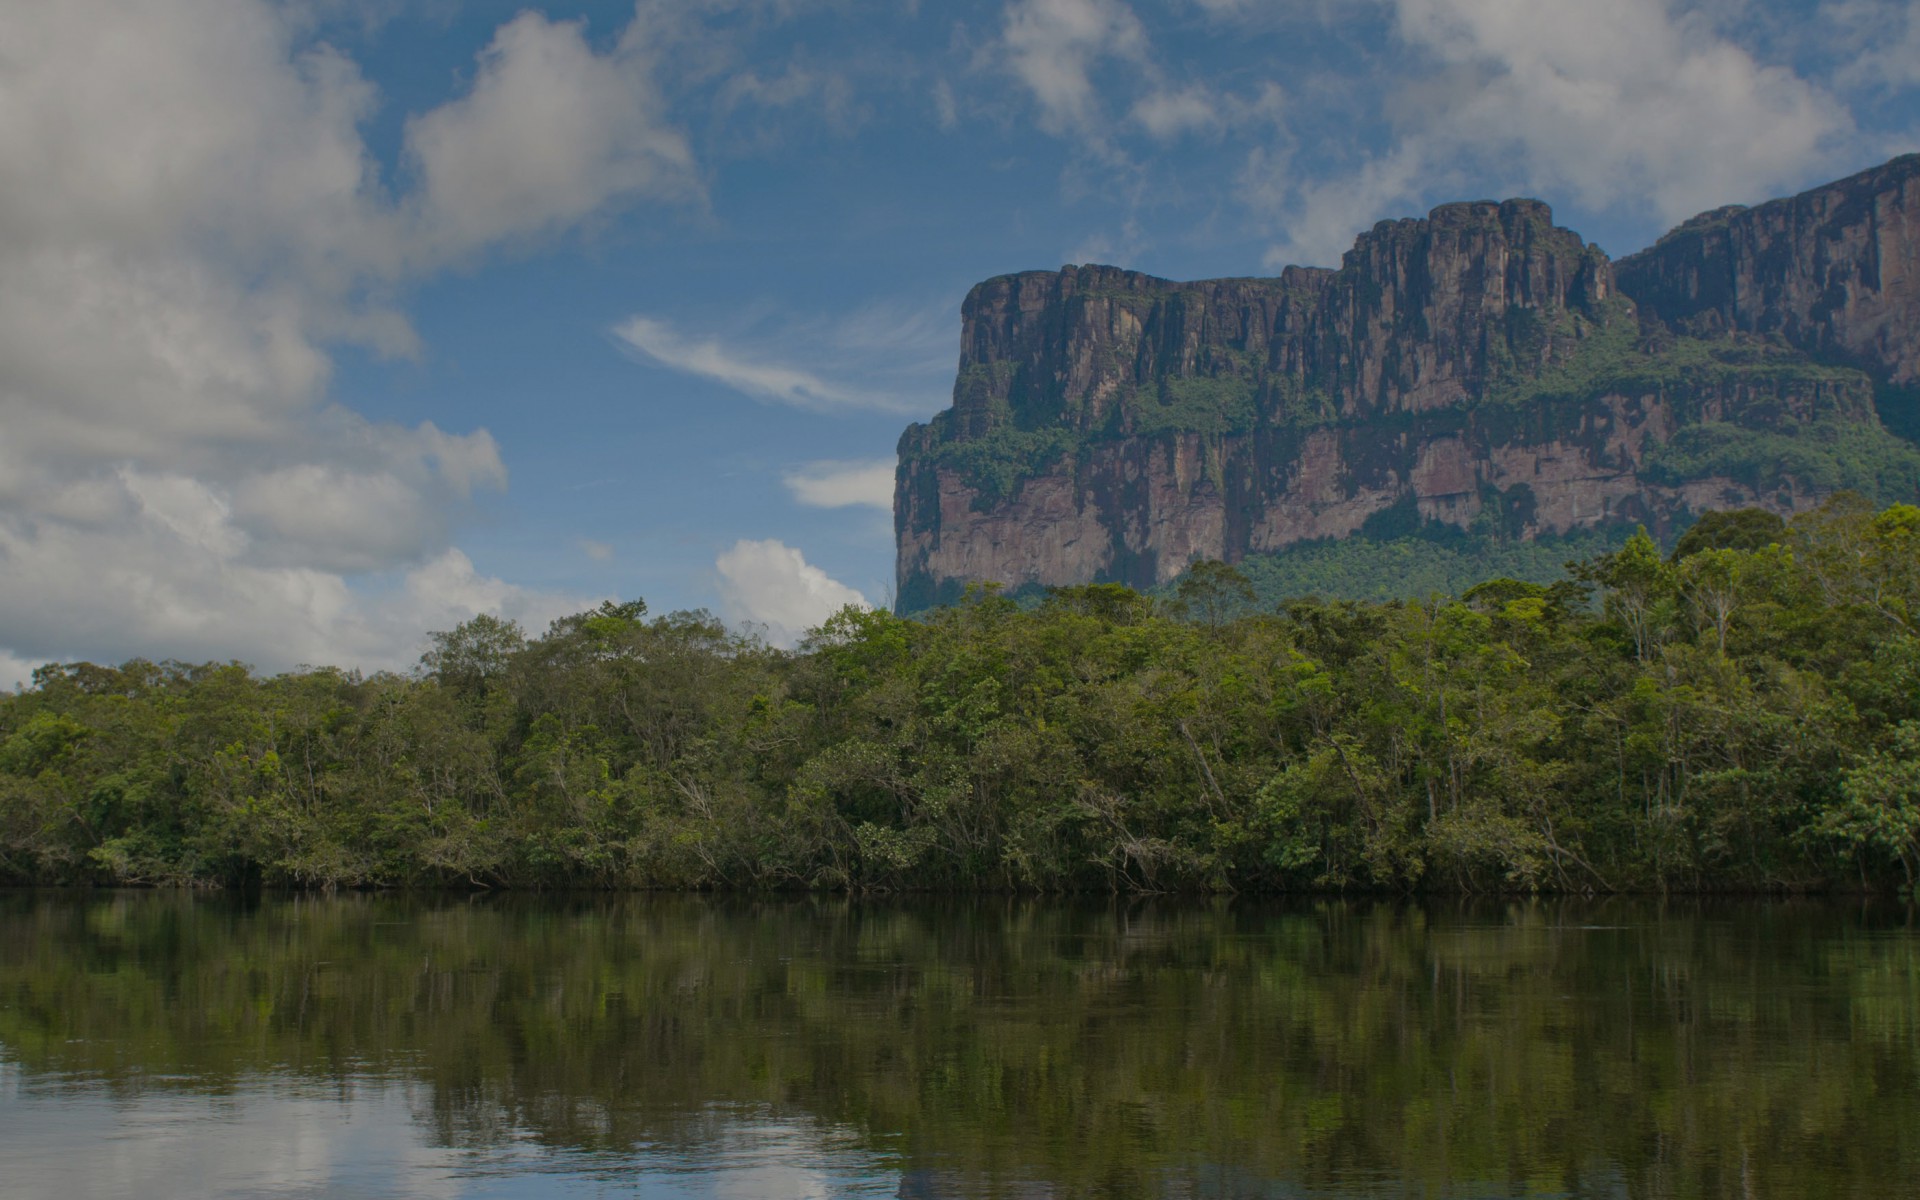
(330, 323)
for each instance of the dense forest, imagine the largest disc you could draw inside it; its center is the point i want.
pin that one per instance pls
(1740, 713)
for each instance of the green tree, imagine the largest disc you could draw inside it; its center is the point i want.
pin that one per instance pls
(1881, 812)
(1211, 592)
(1735, 529)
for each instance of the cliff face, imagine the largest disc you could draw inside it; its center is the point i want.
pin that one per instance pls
(1480, 368)
(1418, 318)
(1835, 271)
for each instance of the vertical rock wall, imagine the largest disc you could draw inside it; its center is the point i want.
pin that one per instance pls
(1480, 368)
(1835, 271)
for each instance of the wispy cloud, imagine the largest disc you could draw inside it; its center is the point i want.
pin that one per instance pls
(843, 484)
(710, 359)
(1052, 46)
(1167, 115)
(885, 358)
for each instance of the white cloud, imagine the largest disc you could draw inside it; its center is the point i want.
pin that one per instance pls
(597, 551)
(17, 673)
(1057, 50)
(1880, 41)
(1274, 13)
(1326, 214)
(709, 359)
(819, 95)
(1052, 46)
(772, 584)
(336, 519)
(1167, 115)
(173, 573)
(843, 484)
(189, 220)
(550, 134)
(946, 109)
(1125, 246)
(1620, 104)
(446, 590)
(886, 347)
(1626, 99)
(911, 337)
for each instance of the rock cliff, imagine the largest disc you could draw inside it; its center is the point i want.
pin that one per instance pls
(1835, 271)
(1480, 368)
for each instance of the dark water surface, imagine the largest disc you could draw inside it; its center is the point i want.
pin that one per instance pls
(159, 1045)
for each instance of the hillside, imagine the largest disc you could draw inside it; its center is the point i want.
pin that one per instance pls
(1479, 372)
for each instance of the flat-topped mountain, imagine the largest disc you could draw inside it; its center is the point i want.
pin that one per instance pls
(1480, 368)
(1834, 271)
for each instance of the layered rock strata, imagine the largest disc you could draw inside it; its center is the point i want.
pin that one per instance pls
(1834, 271)
(1480, 368)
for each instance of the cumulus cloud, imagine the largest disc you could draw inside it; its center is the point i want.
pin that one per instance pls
(550, 133)
(771, 584)
(843, 484)
(446, 590)
(170, 573)
(1627, 103)
(1625, 99)
(190, 221)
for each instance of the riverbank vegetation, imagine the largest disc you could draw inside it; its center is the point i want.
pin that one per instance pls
(1741, 714)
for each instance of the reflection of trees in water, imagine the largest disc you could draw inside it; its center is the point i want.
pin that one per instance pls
(1602, 1049)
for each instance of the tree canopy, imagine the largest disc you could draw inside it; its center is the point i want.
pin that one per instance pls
(1744, 713)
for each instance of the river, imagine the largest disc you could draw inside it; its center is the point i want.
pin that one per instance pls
(172, 1044)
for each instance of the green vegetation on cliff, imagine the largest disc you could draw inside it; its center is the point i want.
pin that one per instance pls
(1746, 717)
(1412, 568)
(997, 463)
(1751, 410)
(1614, 355)
(1819, 456)
(1208, 406)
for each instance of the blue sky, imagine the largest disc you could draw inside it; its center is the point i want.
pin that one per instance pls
(329, 323)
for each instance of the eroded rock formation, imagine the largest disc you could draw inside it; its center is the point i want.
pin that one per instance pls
(1480, 368)
(1835, 271)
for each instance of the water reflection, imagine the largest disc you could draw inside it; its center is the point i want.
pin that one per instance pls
(358, 1141)
(676, 1046)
